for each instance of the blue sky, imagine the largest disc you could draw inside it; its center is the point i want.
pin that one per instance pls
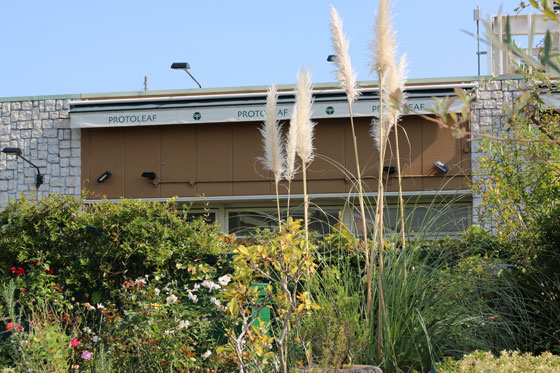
(59, 47)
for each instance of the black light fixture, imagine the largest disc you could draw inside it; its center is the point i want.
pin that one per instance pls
(184, 66)
(389, 170)
(331, 57)
(104, 176)
(17, 152)
(441, 166)
(149, 175)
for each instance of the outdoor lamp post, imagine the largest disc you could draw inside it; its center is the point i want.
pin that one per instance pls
(184, 66)
(17, 153)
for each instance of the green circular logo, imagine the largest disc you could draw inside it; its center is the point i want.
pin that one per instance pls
(329, 110)
(197, 116)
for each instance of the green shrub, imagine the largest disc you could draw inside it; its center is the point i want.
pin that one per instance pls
(89, 250)
(479, 361)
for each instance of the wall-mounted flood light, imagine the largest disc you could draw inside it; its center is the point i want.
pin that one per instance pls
(17, 152)
(442, 166)
(331, 57)
(184, 66)
(149, 175)
(104, 176)
(389, 170)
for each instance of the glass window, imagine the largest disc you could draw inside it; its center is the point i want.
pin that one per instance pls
(244, 223)
(433, 220)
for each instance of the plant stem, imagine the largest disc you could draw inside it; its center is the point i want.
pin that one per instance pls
(401, 202)
(305, 205)
(361, 200)
(278, 207)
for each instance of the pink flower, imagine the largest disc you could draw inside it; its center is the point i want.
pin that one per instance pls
(86, 355)
(75, 342)
(207, 354)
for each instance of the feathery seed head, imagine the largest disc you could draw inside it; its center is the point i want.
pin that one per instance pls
(291, 147)
(272, 137)
(383, 44)
(304, 99)
(344, 73)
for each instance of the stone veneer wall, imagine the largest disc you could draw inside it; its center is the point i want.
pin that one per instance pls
(486, 114)
(41, 128)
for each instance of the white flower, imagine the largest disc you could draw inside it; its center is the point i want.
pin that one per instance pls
(224, 280)
(156, 291)
(167, 289)
(210, 285)
(95, 339)
(196, 287)
(89, 306)
(100, 306)
(87, 330)
(207, 354)
(215, 301)
(192, 297)
(171, 299)
(140, 281)
(167, 332)
(183, 324)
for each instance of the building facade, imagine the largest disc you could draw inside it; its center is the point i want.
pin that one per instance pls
(203, 146)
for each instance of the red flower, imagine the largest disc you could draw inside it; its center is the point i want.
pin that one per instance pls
(57, 287)
(75, 342)
(23, 290)
(10, 326)
(13, 269)
(34, 262)
(21, 271)
(49, 271)
(17, 271)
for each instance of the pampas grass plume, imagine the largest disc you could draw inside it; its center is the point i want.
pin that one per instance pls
(271, 132)
(291, 147)
(383, 45)
(304, 99)
(344, 73)
(393, 92)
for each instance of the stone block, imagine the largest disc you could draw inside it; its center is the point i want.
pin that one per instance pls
(50, 133)
(53, 158)
(64, 153)
(75, 162)
(65, 144)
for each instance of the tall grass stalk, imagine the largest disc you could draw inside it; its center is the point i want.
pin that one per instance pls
(304, 125)
(291, 152)
(271, 132)
(395, 92)
(347, 79)
(383, 48)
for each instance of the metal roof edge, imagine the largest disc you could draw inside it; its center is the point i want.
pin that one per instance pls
(245, 89)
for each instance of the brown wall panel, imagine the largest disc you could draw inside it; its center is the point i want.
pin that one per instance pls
(178, 161)
(408, 183)
(410, 147)
(221, 159)
(214, 153)
(367, 153)
(247, 188)
(439, 145)
(329, 149)
(214, 189)
(142, 154)
(106, 153)
(326, 186)
(444, 183)
(84, 157)
(247, 148)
